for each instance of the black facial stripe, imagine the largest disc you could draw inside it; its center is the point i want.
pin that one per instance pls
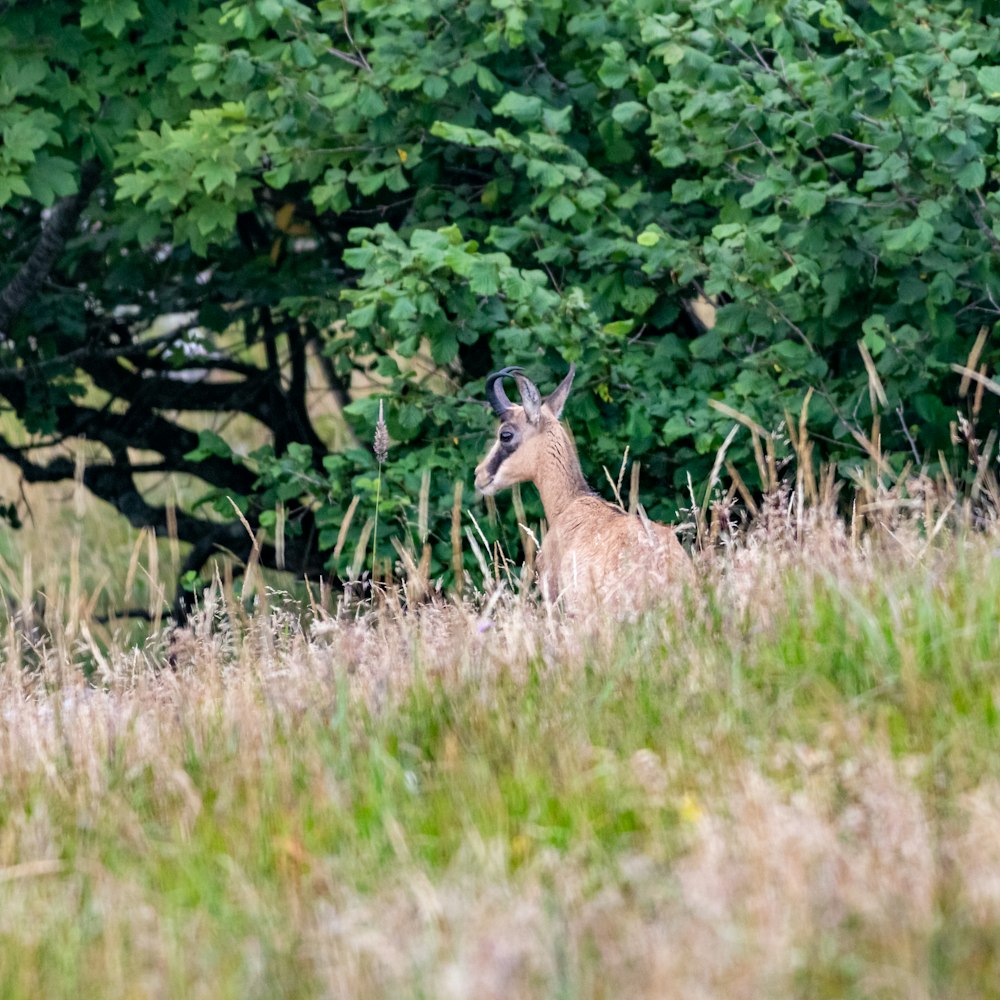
(502, 453)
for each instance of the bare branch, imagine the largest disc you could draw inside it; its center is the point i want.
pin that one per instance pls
(866, 147)
(361, 61)
(348, 58)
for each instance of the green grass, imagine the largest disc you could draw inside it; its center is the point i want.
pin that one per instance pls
(787, 785)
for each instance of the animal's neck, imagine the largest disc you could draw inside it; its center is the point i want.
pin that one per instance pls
(562, 479)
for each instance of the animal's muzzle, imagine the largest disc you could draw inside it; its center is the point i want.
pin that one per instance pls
(484, 480)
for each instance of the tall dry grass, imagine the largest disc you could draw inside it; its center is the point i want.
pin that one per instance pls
(784, 783)
(781, 782)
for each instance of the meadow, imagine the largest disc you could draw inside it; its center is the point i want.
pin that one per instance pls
(782, 783)
(292, 224)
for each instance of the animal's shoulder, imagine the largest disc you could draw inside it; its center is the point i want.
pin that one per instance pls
(589, 506)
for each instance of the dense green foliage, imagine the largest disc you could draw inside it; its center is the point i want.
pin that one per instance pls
(426, 190)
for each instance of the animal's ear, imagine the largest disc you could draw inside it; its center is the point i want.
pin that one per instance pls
(556, 399)
(531, 400)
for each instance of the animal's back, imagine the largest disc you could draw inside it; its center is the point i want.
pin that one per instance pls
(595, 552)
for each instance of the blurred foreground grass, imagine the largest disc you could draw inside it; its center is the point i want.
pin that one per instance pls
(786, 784)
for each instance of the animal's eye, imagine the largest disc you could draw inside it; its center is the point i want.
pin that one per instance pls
(506, 436)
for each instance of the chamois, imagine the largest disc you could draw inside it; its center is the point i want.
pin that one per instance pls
(592, 551)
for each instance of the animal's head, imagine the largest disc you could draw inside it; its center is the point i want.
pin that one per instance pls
(520, 447)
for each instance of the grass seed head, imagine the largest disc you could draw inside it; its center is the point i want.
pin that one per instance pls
(381, 442)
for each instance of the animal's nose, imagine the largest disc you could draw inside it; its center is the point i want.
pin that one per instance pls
(483, 478)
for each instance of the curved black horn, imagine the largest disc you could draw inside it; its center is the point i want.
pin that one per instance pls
(495, 394)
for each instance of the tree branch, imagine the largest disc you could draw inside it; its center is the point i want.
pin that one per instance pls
(55, 232)
(163, 392)
(118, 432)
(298, 407)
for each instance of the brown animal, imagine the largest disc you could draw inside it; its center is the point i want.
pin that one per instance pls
(593, 551)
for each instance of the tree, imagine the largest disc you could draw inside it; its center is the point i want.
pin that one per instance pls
(425, 190)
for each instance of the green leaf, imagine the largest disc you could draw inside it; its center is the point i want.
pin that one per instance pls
(112, 15)
(808, 202)
(619, 328)
(875, 330)
(874, 342)
(727, 229)
(21, 76)
(989, 80)
(613, 73)
(403, 309)
(276, 178)
(684, 192)
(914, 238)
(639, 300)
(210, 445)
(359, 257)
(783, 279)
(761, 192)
(987, 112)
(11, 185)
(51, 177)
(214, 175)
(213, 218)
(912, 289)
(484, 278)
(630, 115)
(444, 350)
(707, 347)
(370, 104)
(561, 208)
(558, 121)
(22, 137)
(671, 53)
(485, 80)
(302, 54)
(362, 317)
(972, 175)
(435, 87)
(524, 108)
(271, 10)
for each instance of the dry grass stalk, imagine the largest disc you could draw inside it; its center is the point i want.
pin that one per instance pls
(423, 506)
(616, 485)
(980, 377)
(361, 549)
(417, 585)
(250, 570)
(720, 457)
(741, 488)
(972, 361)
(345, 527)
(764, 455)
(798, 435)
(279, 535)
(170, 508)
(529, 545)
(633, 488)
(457, 558)
(156, 586)
(977, 400)
(876, 391)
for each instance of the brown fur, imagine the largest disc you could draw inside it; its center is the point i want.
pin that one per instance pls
(592, 551)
